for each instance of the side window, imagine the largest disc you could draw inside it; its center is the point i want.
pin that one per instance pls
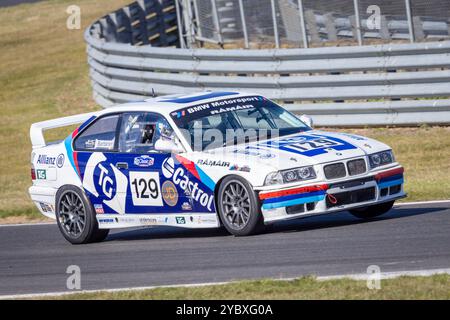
(99, 136)
(140, 130)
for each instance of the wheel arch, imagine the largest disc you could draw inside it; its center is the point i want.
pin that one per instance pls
(62, 188)
(217, 187)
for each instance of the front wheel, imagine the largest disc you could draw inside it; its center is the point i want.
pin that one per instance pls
(76, 218)
(372, 211)
(238, 207)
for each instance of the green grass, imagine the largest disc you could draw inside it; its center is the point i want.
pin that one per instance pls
(433, 287)
(44, 75)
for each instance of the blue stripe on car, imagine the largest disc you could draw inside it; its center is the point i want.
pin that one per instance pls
(199, 97)
(294, 196)
(293, 202)
(390, 183)
(205, 178)
(394, 177)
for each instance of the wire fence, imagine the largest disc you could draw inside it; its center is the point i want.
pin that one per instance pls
(304, 23)
(148, 47)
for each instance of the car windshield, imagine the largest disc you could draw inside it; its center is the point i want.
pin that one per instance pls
(233, 121)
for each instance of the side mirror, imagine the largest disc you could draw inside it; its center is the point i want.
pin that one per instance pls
(168, 146)
(307, 120)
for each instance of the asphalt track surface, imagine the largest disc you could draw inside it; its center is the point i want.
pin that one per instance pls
(34, 258)
(9, 3)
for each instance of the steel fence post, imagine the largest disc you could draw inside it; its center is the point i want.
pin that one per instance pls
(303, 23)
(275, 24)
(357, 22)
(244, 24)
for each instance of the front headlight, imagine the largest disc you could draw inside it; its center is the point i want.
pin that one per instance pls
(291, 175)
(273, 178)
(381, 158)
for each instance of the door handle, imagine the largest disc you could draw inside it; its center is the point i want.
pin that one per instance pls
(122, 165)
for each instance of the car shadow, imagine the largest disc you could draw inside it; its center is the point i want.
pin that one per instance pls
(296, 225)
(345, 219)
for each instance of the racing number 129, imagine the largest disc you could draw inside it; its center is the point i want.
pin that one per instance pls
(145, 189)
(141, 186)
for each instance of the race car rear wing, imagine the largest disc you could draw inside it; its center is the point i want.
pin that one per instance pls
(37, 129)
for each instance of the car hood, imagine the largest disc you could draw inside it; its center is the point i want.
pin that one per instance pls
(302, 149)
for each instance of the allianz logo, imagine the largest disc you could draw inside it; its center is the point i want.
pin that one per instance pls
(180, 178)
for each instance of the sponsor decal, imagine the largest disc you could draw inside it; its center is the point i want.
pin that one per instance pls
(181, 178)
(110, 180)
(127, 220)
(213, 163)
(256, 152)
(45, 207)
(309, 145)
(104, 144)
(186, 206)
(232, 108)
(216, 107)
(168, 168)
(180, 220)
(205, 219)
(148, 221)
(60, 161)
(99, 208)
(104, 220)
(90, 144)
(144, 161)
(41, 174)
(179, 114)
(240, 168)
(169, 193)
(44, 159)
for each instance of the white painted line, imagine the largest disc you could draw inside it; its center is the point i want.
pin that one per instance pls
(65, 293)
(402, 204)
(387, 275)
(27, 224)
(361, 276)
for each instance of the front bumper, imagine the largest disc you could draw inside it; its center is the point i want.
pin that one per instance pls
(332, 196)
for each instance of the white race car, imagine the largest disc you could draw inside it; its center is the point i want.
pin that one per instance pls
(202, 161)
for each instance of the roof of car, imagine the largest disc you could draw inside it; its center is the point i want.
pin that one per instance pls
(167, 104)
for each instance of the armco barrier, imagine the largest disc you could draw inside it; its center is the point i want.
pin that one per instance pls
(392, 84)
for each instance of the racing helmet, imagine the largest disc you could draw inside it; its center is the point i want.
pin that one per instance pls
(147, 133)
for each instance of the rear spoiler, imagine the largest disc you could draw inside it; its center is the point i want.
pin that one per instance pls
(37, 129)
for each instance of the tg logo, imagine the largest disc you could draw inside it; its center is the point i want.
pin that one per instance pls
(113, 184)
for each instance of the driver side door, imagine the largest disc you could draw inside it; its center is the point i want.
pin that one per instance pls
(149, 192)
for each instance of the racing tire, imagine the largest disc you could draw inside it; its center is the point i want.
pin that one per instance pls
(76, 217)
(372, 211)
(239, 207)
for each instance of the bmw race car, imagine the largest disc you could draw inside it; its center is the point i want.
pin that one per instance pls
(204, 160)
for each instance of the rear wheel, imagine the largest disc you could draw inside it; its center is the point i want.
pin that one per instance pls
(75, 217)
(372, 211)
(238, 207)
